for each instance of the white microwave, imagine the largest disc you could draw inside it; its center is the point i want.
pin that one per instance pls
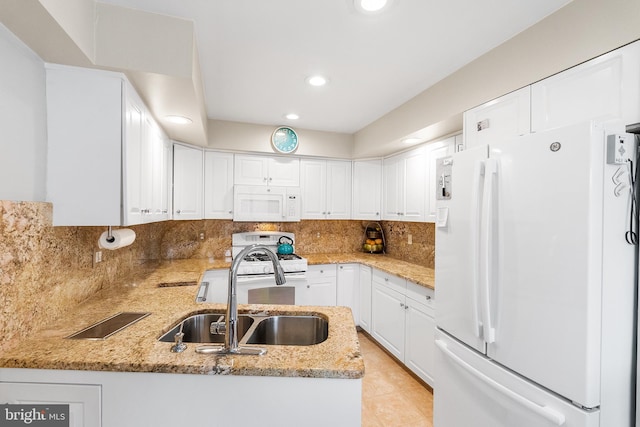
(257, 203)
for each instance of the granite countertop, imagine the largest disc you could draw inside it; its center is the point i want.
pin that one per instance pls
(423, 276)
(137, 349)
(167, 290)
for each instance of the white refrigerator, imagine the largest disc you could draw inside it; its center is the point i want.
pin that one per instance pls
(535, 283)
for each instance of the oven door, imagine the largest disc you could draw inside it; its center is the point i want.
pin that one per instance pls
(262, 289)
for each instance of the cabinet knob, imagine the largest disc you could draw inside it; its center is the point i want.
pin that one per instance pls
(386, 279)
(308, 286)
(401, 304)
(328, 213)
(230, 212)
(321, 271)
(264, 179)
(270, 179)
(428, 297)
(178, 211)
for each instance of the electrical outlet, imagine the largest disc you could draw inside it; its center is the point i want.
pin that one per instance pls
(410, 239)
(201, 235)
(97, 257)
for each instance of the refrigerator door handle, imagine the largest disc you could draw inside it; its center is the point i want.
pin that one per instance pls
(557, 418)
(486, 249)
(476, 210)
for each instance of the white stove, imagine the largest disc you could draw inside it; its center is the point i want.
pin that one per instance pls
(259, 264)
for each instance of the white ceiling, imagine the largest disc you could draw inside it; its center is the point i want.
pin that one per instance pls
(256, 54)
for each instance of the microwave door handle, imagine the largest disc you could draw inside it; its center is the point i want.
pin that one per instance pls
(555, 417)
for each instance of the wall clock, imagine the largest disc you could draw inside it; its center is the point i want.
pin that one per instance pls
(284, 140)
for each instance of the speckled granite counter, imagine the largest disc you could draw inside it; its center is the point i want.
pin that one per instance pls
(418, 274)
(163, 289)
(136, 348)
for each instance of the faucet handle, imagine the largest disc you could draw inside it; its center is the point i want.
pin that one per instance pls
(218, 327)
(179, 346)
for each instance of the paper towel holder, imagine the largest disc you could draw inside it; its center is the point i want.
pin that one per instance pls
(110, 237)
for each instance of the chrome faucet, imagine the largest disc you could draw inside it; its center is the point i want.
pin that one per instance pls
(231, 318)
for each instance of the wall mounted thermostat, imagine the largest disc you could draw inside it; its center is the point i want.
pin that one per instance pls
(619, 148)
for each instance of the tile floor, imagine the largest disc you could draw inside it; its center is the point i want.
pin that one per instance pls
(390, 395)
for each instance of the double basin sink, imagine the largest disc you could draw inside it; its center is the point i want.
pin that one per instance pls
(253, 329)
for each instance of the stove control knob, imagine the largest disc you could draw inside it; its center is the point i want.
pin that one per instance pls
(265, 269)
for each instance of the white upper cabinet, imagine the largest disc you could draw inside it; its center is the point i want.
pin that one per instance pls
(100, 159)
(404, 186)
(435, 151)
(218, 185)
(601, 89)
(266, 170)
(187, 182)
(505, 117)
(325, 187)
(367, 190)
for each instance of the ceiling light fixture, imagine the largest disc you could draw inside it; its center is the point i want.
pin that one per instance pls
(180, 120)
(291, 116)
(371, 6)
(411, 140)
(317, 80)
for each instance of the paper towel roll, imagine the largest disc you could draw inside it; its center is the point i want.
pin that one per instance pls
(119, 239)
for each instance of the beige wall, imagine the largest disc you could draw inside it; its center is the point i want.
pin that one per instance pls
(225, 135)
(576, 33)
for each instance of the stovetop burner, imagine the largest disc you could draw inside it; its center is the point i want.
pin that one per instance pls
(257, 256)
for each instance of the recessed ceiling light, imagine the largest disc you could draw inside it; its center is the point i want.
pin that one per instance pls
(291, 116)
(371, 6)
(411, 140)
(180, 120)
(317, 80)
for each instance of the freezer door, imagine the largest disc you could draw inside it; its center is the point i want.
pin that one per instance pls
(457, 249)
(545, 287)
(473, 391)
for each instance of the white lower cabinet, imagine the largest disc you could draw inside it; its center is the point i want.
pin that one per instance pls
(320, 287)
(365, 298)
(402, 321)
(134, 399)
(348, 289)
(420, 328)
(83, 399)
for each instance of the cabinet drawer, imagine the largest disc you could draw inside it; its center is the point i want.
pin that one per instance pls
(396, 283)
(322, 270)
(422, 294)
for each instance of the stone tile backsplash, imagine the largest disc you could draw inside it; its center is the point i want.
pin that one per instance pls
(46, 270)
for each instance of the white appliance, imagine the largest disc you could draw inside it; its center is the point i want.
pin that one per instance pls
(255, 281)
(266, 203)
(535, 284)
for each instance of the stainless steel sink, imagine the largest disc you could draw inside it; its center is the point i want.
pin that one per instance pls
(253, 329)
(290, 330)
(197, 328)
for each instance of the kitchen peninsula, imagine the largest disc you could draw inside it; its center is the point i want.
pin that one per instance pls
(133, 363)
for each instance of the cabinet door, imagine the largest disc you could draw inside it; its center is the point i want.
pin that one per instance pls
(133, 160)
(218, 185)
(499, 119)
(415, 185)
(250, 170)
(313, 188)
(367, 190)
(84, 127)
(348, 289)
(320, 287)
(392, 188)
(365, 298)
(162, 176)
(420, 340)
(435, 151)
(600, 89)
(83, 400)
(338, 189)
(388, 318)
(284, 171)
(187, 182)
